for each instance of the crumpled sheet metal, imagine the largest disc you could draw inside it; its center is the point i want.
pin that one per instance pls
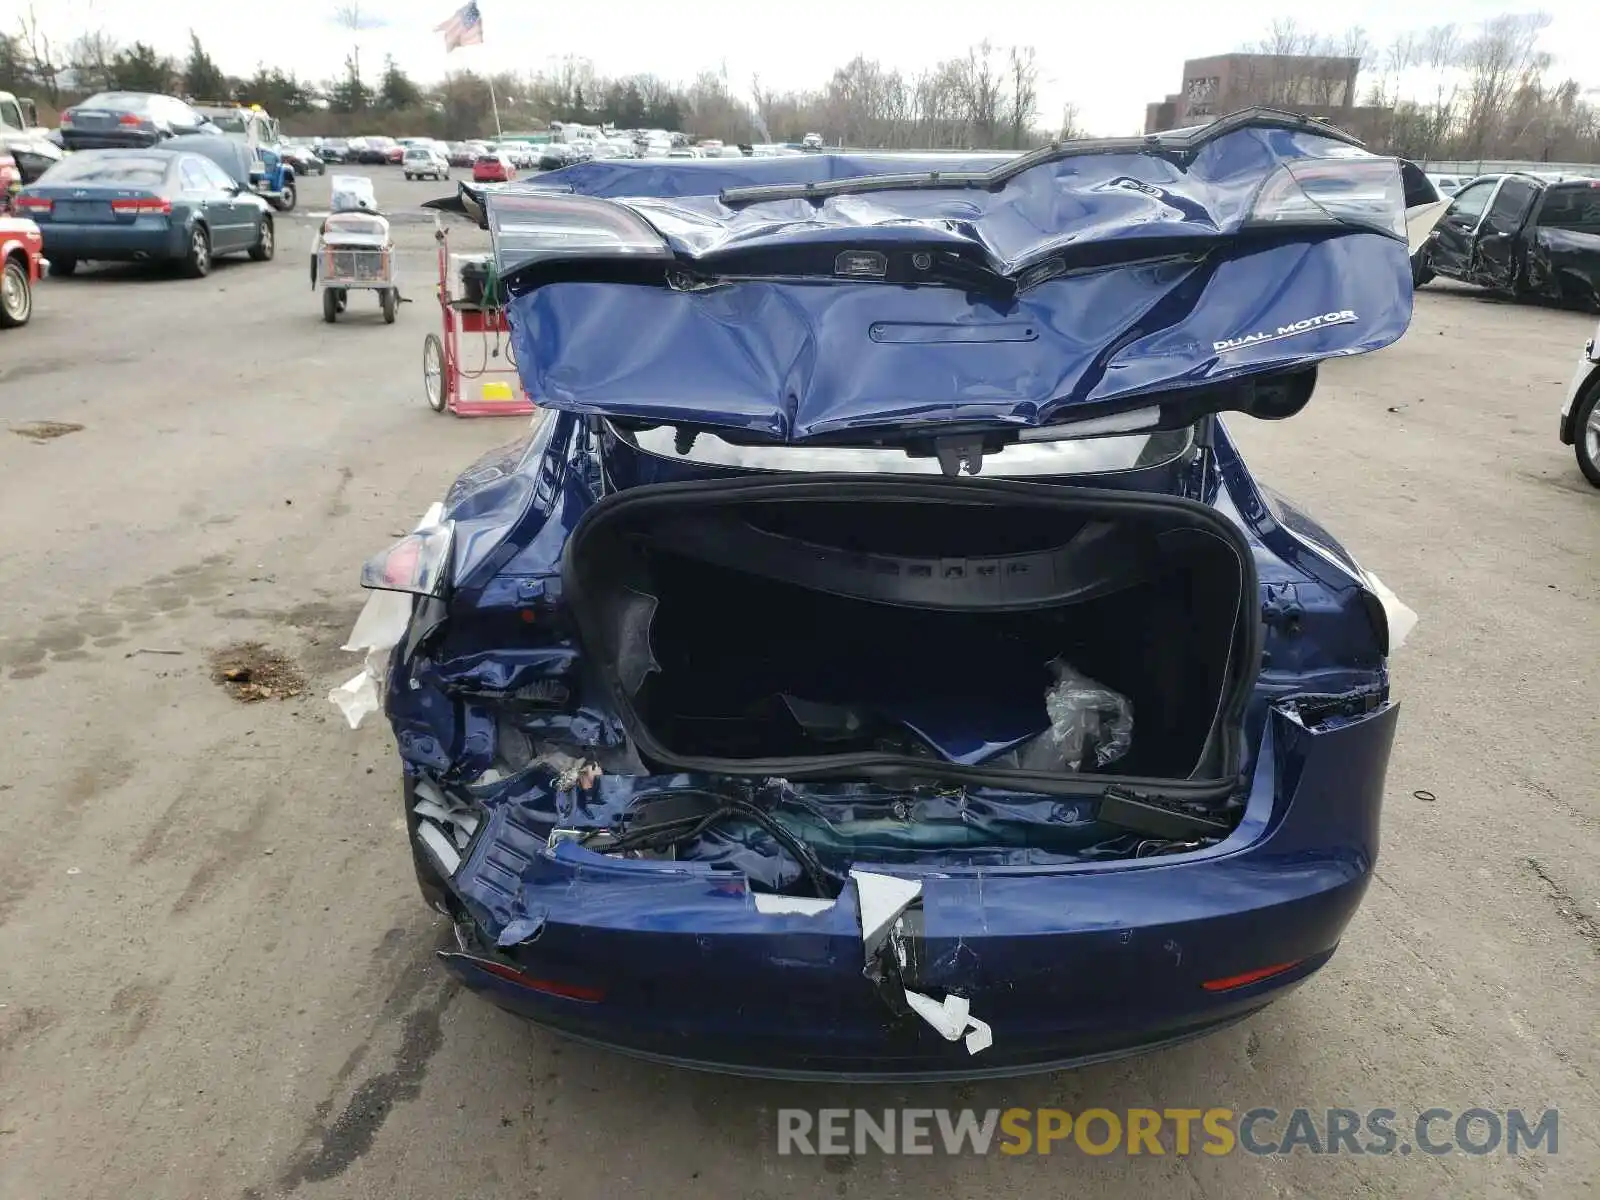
(743, 345)
(377, 632)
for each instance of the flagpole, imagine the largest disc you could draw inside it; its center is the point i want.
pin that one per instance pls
(494, 104)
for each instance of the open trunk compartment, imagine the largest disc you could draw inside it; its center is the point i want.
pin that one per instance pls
(846, 627)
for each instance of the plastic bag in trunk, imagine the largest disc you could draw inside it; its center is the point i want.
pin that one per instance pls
(1089, 724)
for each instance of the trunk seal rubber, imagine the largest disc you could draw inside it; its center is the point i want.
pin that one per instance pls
(833, 487)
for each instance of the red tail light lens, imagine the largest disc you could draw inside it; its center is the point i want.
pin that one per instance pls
(66, 117)
(417, 563)
(151, 204)
(129, 119)
(527, 226)
(32, 204)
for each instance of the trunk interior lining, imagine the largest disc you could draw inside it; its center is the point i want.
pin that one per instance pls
(721, 662)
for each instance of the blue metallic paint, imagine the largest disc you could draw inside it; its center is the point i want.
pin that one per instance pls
(1069, 958)
(789, 359)
(693, 973)
(1065, 963)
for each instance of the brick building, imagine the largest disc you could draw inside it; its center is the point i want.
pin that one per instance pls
(1316, 85)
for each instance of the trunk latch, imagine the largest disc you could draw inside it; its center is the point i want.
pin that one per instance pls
(958, 453)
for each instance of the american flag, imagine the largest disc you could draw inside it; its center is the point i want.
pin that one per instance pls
(464, 28)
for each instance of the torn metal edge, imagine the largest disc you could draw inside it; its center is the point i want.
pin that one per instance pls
(889, 948)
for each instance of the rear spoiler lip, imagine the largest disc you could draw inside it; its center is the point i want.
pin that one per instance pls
(1179, 144)
(469, 200)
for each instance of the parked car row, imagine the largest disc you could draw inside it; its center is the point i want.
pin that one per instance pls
(302, 155)
(548, 151)
(186, 201)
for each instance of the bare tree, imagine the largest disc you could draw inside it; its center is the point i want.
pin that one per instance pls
(40, 52)
(351, 17)
(1500, 61)
(1285, 36)
(1023, 108)
(1336, 84)
(1070, 130)
(1393, 64)
(713, 108)
(764, 104)
(980, 86)
(93, 57)
(1439, 50)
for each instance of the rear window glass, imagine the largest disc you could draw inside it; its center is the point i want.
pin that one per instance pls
(109, 170)
(1572, 208)
(1419, 188)
(126, 101)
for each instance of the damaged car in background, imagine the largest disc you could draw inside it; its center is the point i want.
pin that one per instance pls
(1530, 237)
(881, 662)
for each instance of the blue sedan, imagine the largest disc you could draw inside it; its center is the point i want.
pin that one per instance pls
(882, 662)
(145, 205)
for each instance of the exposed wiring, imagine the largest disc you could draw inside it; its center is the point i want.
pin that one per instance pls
(667, 834)
(493, 308)
(483, 369)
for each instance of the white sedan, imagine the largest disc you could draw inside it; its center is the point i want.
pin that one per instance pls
(1580, 415)
(425, 160)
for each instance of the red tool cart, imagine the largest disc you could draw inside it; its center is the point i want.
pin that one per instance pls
(471, 370)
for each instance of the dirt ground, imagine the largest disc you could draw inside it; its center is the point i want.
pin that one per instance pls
(216, 975)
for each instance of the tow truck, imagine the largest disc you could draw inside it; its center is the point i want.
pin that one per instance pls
(27, 147)
(270, 175)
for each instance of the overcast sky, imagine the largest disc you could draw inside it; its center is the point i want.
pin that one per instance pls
(1109, 59)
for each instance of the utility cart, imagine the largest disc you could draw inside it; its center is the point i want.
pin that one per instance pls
(354, 251)
(469, 368)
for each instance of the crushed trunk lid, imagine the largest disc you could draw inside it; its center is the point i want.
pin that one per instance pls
(1135, 283)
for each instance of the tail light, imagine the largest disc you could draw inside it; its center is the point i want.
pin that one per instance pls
(24, 203)
(142, 205)
(1363, 190)
(417, 563)
(66, 117)
(531, 226)
(129, 119)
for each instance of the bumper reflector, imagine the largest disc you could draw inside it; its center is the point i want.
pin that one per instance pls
(1228, 982)
(550, 987)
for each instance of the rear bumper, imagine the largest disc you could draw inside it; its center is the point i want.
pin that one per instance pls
(114, 243)
(933, 1061)
(676, 963)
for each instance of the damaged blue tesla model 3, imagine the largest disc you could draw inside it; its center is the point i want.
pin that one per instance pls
(877, 659)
